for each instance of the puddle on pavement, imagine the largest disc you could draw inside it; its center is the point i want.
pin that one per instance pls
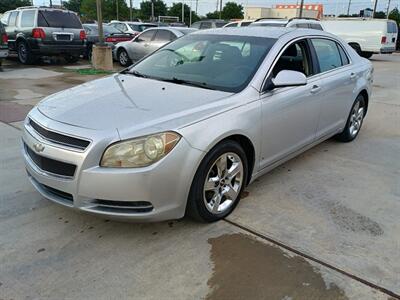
(245, 268)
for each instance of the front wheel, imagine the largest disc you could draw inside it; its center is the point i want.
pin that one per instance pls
(354, 121)
(218, 183)
(123, 58)
(25, 55)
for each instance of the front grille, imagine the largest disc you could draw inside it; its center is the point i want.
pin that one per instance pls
(123, 206)
(58, 193)
(50, 165)
(58, 138)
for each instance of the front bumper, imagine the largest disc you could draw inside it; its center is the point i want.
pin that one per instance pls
(154, 193)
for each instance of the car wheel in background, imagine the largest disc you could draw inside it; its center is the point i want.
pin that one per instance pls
(25, 55)
(71, 59)
(218, 183)
(354, 121)
(366, 54)
(123, 58)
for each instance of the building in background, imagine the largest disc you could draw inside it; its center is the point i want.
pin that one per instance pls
(284, 11)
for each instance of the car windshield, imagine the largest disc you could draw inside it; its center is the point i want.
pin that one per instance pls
(268, 24)
(58, 18)
(141, 27)
(220, 62)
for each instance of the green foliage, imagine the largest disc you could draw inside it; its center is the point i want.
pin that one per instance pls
(160, 9)
(176, 11)
(109, 7)
(232, 10)
(395, 15)
(6, 5)
(213, 15)
(74, 5)
(380, 15)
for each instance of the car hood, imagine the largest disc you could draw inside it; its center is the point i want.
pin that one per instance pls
(126, 102)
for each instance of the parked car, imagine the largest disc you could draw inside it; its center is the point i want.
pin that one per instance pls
(146, 42)
(366, 36)
(112, 36)
(208, 24)
(241, 23)
(307, 23)
(178, 24)
(3, 43)
(41, 31)
(186, 128)
(131, 27)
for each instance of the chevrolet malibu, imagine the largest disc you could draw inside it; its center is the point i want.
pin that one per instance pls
(184, 130)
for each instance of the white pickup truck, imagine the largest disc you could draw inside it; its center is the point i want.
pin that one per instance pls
(366, 36)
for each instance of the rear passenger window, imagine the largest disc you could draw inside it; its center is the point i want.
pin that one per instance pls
(343, 55)
(302, 25)
(163, 36)
(13, 18)
(28, 18)
(205, 25)
(328, 54)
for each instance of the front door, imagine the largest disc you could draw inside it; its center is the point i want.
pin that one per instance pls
(290, 115)
(142, 45)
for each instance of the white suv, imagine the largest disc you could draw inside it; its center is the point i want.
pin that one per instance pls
(294, 22)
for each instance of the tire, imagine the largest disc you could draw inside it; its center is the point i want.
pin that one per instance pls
(123, 58)
(214, 185)
(356, 47)
(354, 121)
(366, 54)
(25, 55)
(71, 59)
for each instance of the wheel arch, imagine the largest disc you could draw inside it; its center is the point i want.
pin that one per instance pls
(364, 93)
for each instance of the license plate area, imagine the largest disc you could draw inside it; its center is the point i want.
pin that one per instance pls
(64, 37)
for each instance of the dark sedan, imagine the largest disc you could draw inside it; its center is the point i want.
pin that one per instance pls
(112, 36)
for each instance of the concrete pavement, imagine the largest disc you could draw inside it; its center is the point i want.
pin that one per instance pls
(337, 204)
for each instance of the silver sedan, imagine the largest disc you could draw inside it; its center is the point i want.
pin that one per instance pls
(145, 43)
(187, 128)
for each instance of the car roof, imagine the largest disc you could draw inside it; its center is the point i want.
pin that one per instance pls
(272, 32)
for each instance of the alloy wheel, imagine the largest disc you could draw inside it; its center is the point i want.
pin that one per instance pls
(356, 119)
(123, 58)
(223, 183)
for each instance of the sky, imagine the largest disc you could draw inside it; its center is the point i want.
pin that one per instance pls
(330, 6)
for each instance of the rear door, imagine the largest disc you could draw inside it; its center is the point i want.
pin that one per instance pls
(61, 27)
(140, 46)
(338, 80)
(161, 38)
(391, 39)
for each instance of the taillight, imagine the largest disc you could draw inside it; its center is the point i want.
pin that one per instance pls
(383, 40)
(4, 38)
(111, 40)
(82, 35)
(38, 33)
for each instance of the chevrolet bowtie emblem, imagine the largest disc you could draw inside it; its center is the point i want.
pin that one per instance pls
(38, 147)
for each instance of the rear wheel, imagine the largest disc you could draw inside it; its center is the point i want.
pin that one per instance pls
(354, 121)
(366, 54)
(25, 55)
(218, 183)
(123, 58)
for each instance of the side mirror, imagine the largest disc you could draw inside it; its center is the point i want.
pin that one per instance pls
(287, 78)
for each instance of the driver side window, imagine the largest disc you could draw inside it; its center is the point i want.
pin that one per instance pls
(296, 57)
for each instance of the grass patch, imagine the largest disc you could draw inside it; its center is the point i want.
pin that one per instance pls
(92, 72)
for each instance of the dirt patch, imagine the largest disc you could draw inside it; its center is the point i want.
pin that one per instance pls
(245, 268)
(13, 112)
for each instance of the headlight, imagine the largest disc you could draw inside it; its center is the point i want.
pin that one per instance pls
(140, 152)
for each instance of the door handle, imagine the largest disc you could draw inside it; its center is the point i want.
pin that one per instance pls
(353, 76)
(315, 89)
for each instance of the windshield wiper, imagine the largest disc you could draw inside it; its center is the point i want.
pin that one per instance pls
(134, 73)
(187, 82)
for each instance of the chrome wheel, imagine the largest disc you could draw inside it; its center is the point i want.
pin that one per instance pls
(223, 183)
(356, 119)
(123, 58)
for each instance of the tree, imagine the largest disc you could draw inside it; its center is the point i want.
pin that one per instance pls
(89, 12)
(395, 15)
(380, 15)
(160, 9)
(74, 5)
(213, 15)
(6, 5)
(176, 11)
(232, 10)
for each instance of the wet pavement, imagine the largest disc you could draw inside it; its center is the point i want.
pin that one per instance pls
(336, 206)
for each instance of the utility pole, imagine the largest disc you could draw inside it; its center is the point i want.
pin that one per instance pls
(117, 10)
(197, 4)
(100, 22)
(387, 10)
(220, 9)
(301, 9)
(183, 12)
(130, 10)
(348, 8)
(152, 10)
(51, 3)
(190, 14)
(374, 11)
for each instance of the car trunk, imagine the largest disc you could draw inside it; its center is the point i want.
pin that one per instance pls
(60, 27)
